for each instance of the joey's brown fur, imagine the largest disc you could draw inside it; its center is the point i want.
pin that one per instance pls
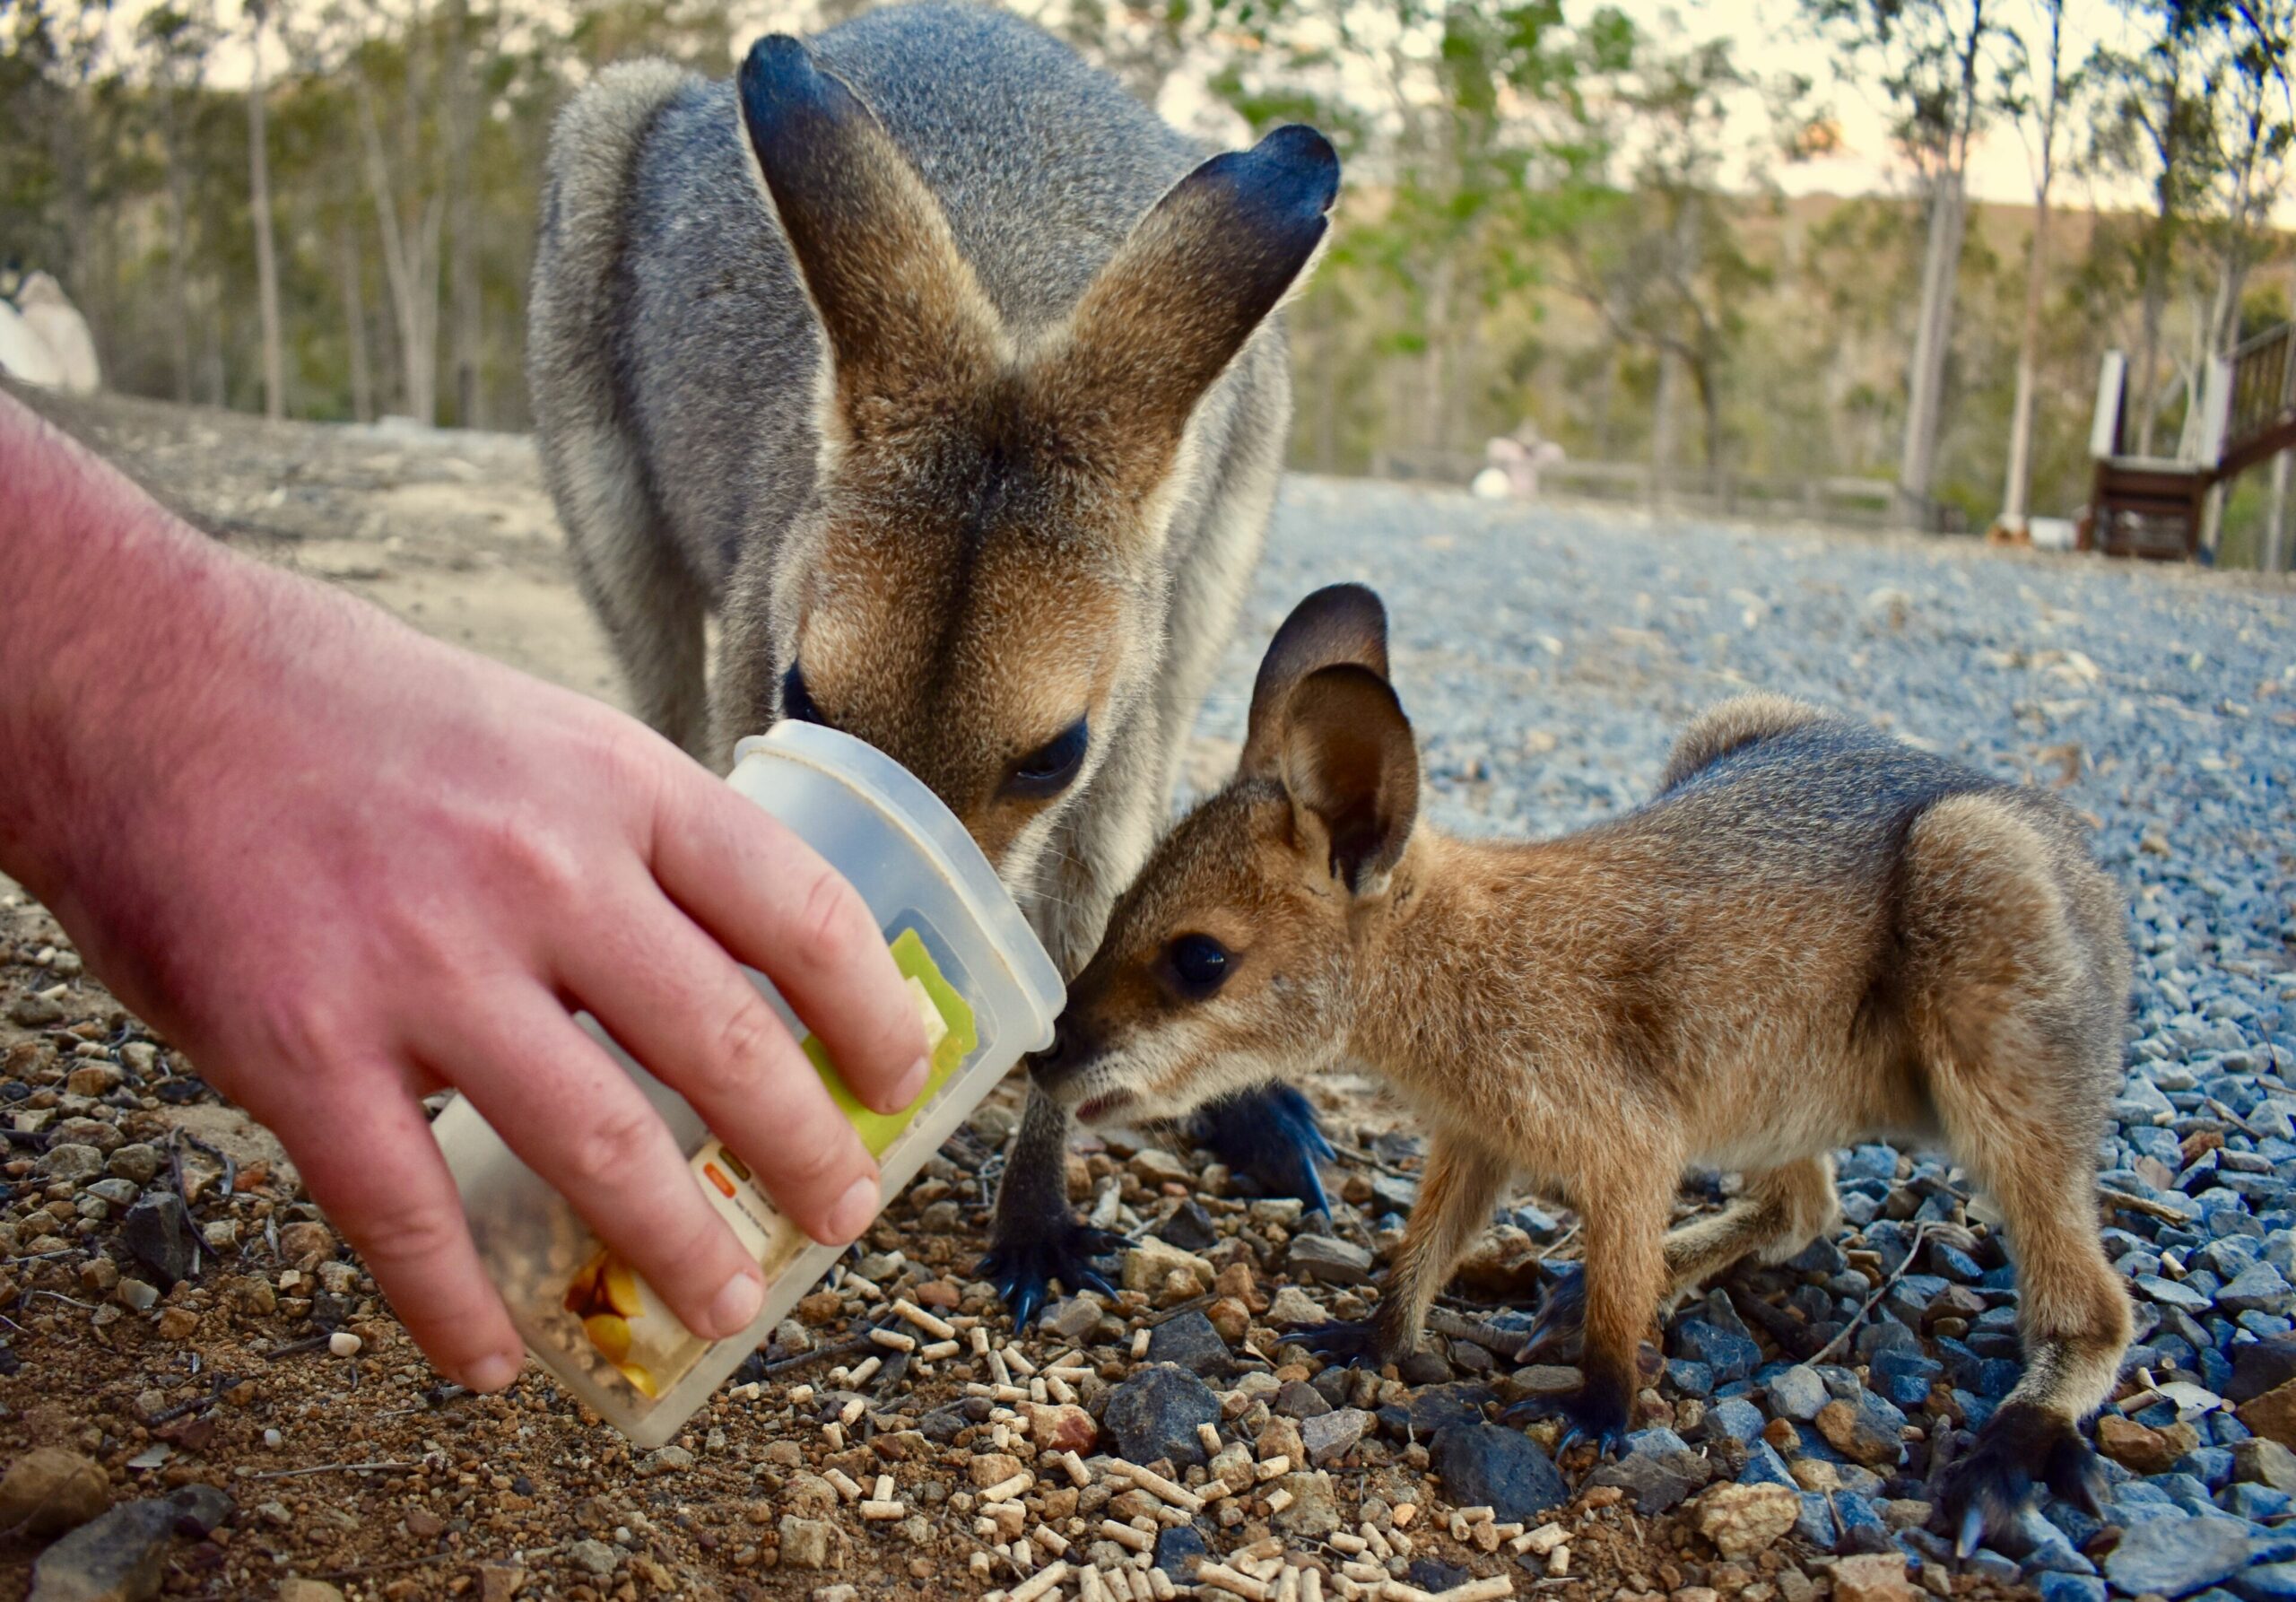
(1815, 934)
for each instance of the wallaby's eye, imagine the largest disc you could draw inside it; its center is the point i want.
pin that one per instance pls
(1199, 966)
(796, 701)
(1053, 766)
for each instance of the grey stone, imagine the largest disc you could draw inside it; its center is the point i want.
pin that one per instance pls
(1797, 1393)
(158, 1231)
(118, 1556)
(1331, 1436)
(68, 1160)
(1329, 1259)
(807, 1542)
(595, 1557)
(1073, 1320)
(1155, 1412)
(1189, 1340)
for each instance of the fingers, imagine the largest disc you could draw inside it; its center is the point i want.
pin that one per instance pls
(389, 1192)
(580, 1122)
(773, 903)
(677, 1003)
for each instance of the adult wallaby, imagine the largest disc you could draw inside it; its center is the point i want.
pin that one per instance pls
(936, 367)
(1814, 933)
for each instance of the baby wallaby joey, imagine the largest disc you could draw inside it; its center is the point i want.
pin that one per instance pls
(1814, 935)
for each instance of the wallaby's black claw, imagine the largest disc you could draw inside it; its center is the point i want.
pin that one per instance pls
(1270, 1134)
(1343, 1340)
(1023, 1269)
(2020, 1445)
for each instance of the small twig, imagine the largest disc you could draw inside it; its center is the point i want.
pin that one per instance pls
(1450, 1325)
(41, 1257)
(290, 1474)
(222, 1383)
(1561, 1241)
(308, 1344)
(2130, 1202)
(60, 1296)
(25, 1137)
(1920, 1233)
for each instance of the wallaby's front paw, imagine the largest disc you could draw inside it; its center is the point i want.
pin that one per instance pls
(1024, 1258)
(1561, 1325)
(1270, 1134)
(1343, 1340)
(2019, 1445)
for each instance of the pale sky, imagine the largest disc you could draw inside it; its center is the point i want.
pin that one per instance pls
(1770, 36)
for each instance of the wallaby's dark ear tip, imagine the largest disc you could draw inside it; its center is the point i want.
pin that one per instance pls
(1308, 162)
(778, 78)
(1338, 623)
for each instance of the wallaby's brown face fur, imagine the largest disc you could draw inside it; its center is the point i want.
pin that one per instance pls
(1231, 959)
(978, 585)
(1814, 935)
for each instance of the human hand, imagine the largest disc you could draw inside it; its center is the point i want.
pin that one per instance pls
(342, 866)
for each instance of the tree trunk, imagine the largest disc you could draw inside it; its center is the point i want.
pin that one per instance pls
(462, 225)
(2275, 516)
(1939, 269)
(410, 264)
(179, 267)
(1663, 448)
(354, 325)
(2016, 492)
(266, 264)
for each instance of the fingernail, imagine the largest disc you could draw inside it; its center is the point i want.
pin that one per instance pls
(494, 1371)
(911, 1085)
(854, 1210)
(737, 1304)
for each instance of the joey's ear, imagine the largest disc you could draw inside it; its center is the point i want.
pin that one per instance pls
(1351, 771)
(1198, 274)
(1339, 624)
(902, 307)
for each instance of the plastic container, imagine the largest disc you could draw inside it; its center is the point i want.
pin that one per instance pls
(980, 980)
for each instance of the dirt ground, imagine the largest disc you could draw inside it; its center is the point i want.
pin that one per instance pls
(365, 1473)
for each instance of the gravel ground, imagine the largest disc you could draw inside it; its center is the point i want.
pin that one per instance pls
(1547, 657)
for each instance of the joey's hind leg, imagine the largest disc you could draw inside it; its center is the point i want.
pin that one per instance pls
(2018, 1028)
(1456, 1200)
(1624, 1274)
(1778, 1212)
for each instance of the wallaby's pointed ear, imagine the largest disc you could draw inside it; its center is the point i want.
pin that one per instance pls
(1339, 624)
(901, 308)
(1198, 274)
(1351, 771)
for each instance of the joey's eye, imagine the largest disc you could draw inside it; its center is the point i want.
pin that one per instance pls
(796, 701)
(1053, 766)
(1199, 965)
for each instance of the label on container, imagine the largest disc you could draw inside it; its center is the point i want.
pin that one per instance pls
(629, 1326)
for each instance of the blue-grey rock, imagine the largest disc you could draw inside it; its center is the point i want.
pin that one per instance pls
(1179, 1548)
(1728, 1354)
(1797, 1393)
(1658, 1469)
(2266, 1583)
(1483, 1464)
(2056, 1586)
(2176, 1557)
(2258, 1288)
